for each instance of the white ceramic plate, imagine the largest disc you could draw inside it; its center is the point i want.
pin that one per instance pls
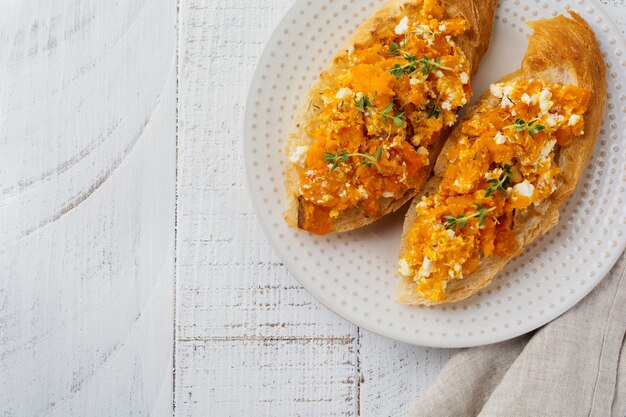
(354, 274)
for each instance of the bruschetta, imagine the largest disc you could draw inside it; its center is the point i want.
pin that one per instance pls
(507, 167)
(369, 130)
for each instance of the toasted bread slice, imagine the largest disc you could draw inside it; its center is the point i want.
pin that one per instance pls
(561, 51)
(474, 44)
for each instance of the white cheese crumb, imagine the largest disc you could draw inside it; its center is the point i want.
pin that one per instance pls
(427, 268)
(387, 194)
(439, 74)
(506, 102)
(404, 268)
(423, 151)
(442, 28)
(496, 90)
(344, 93)
(403, 26)
(457, 268)
(573, 120)
(343, 193)
(299, 156)
(500, 139)
(525, 188)
(310, 173)
(446, 105)
(363, 193)
(464, 78)
(451, 233)
(547, 150)
(527, 99)
(414, 81)
(359, 95)
(544, 100)
(422, 204)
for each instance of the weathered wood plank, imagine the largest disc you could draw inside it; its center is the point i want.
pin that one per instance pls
(250, 340)
(87, 187)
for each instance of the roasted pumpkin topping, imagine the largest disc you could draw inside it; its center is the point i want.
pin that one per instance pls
(376, 123)
(504, 161)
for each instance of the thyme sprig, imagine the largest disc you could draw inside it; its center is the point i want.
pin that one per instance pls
(368, 160)
(461, 221)
(425, 64)
(500, 184)
(532, 127)
(364, 105)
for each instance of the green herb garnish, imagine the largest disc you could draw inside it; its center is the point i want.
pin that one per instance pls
(425, 64)
(461, 221)
(367, 159)
(532, 127)
(364, 105)
(500, 184)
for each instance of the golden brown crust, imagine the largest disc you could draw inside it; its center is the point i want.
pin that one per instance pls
(474, 43)
(561, 50)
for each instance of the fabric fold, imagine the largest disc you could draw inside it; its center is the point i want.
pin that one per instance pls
(572, 367)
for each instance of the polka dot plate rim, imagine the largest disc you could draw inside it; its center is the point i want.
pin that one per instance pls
(353, 274)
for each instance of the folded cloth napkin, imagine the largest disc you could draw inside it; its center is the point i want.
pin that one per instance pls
(574, 366)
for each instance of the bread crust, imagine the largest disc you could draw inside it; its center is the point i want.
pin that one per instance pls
(561, 50)
(474, 44)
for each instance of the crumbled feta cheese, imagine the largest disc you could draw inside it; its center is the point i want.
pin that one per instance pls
(310, 173)
(330, 166)
(343, 193)
(299, 156)
(507, 91)
(446, 105)
(525, 188)
(442, 28)
(464, 78)
(506, 102)
(414, 81)
(344, 93)
(403, 26)
(387, 194)
(496, 90)
(451, 233)
(439, 74)
(457, 268)
(546, 151)
(325, 99)
(423, 151)
(422, 204)
(363, 193)
(500, 139)
(427, 268)
(359, 95)
(573, 120)
(404, 268)
(554, 119)
(544, 100)
(527, 99)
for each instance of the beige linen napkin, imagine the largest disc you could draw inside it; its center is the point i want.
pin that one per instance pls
(574, 366)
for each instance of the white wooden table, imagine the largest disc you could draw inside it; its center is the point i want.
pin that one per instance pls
(135, 280)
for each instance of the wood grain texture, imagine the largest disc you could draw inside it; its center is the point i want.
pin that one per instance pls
(250, 340)
(87, 197)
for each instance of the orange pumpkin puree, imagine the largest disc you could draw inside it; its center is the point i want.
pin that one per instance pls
(375, 126)
(503, 162)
